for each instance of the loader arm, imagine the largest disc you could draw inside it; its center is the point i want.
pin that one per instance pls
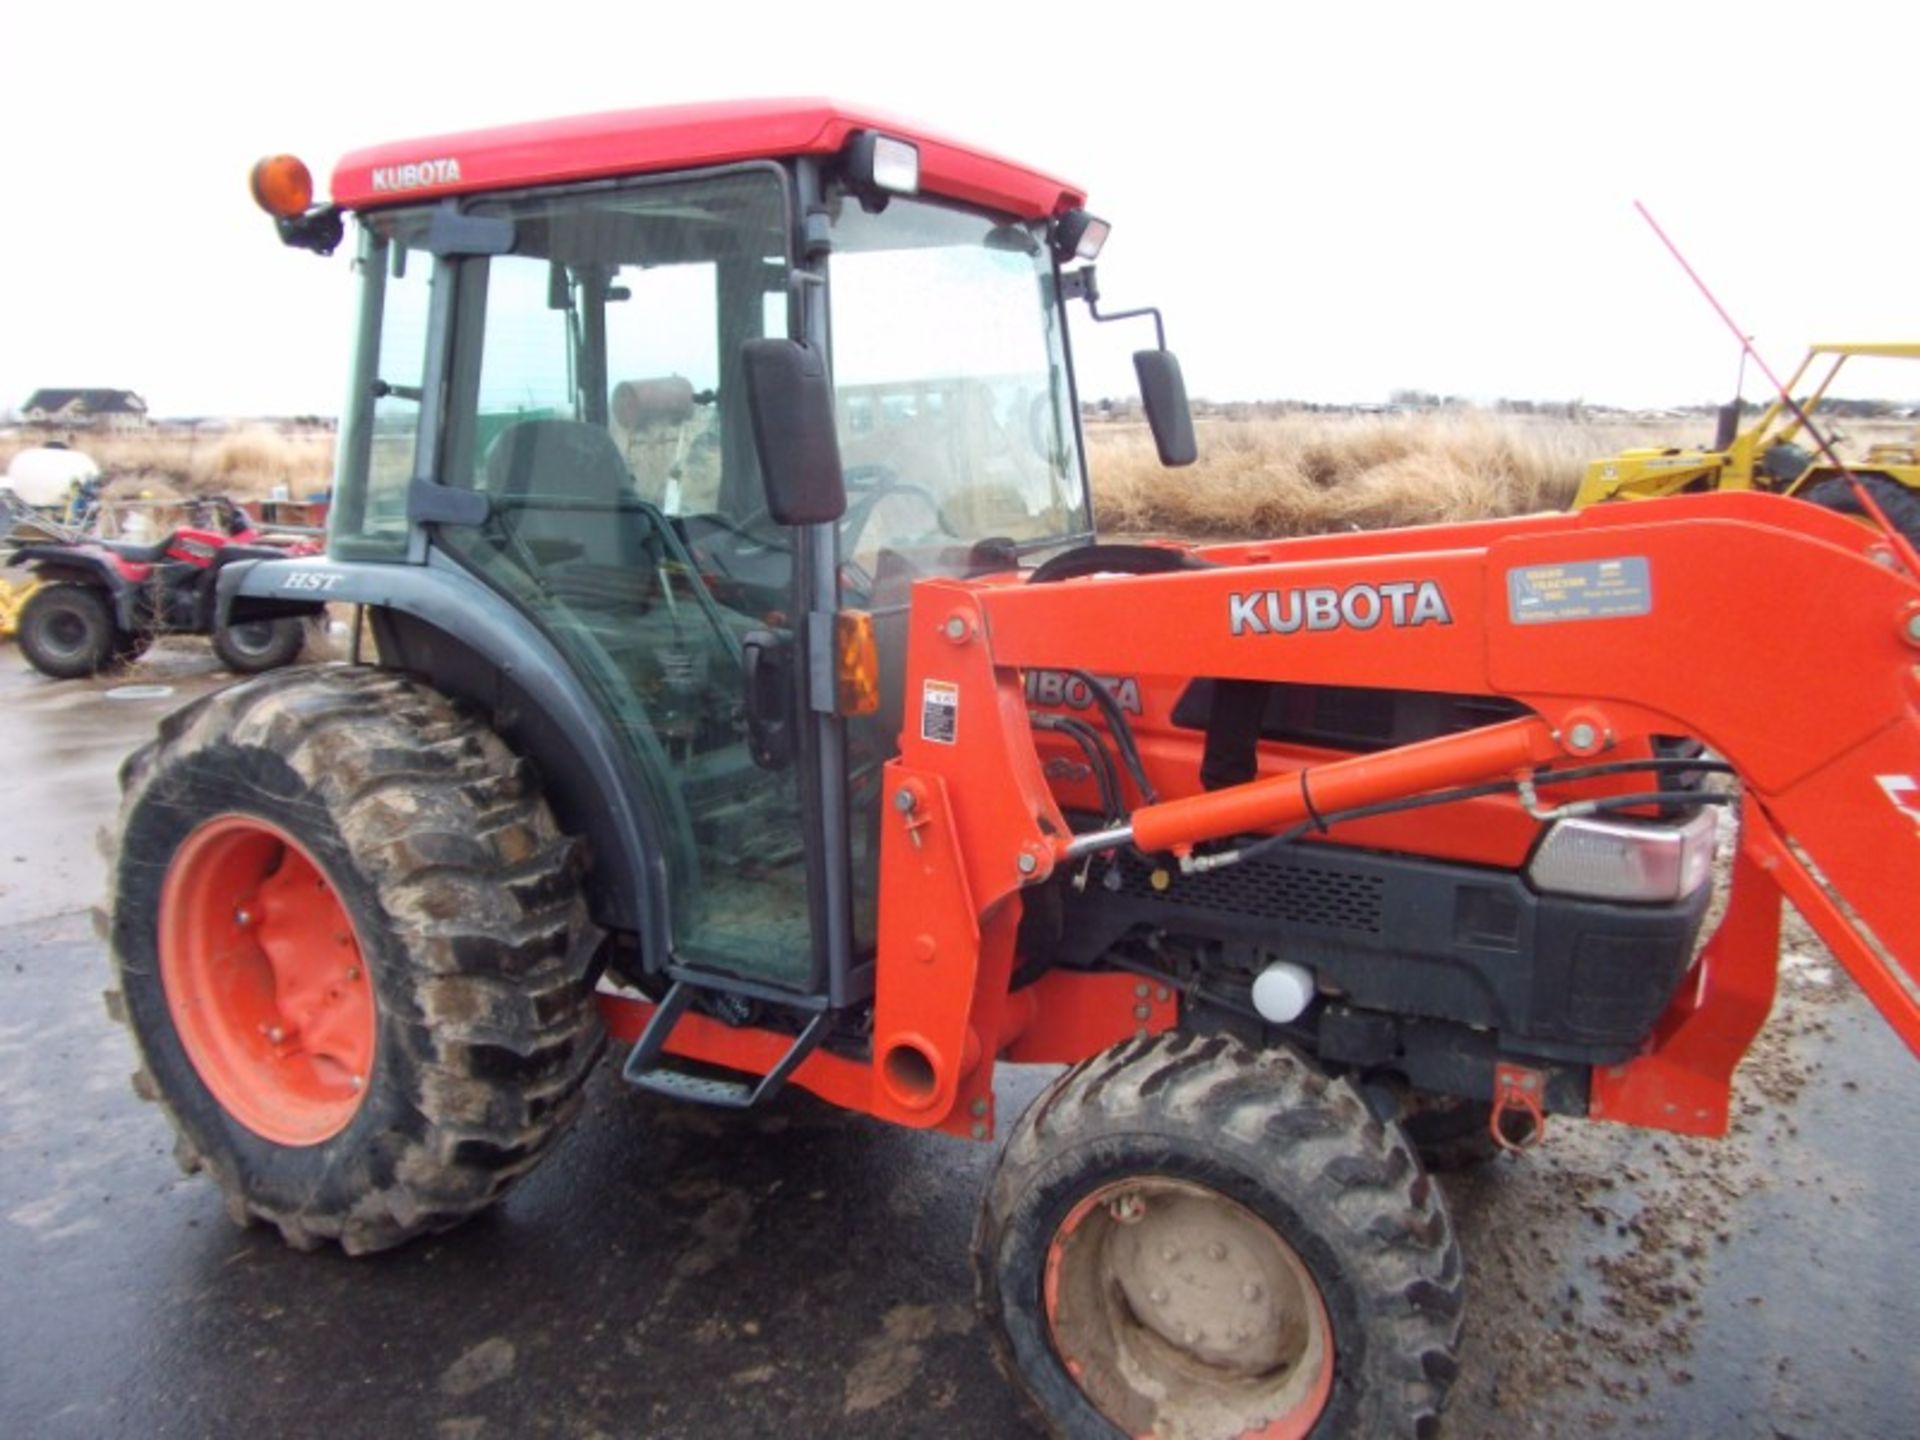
(1784, 638)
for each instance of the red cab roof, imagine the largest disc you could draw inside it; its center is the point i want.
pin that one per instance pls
(677, 137)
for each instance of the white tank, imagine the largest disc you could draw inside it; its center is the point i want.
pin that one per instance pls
(46, 475)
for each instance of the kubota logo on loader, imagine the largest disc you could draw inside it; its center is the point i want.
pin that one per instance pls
(1359, 607)
(1904, 792)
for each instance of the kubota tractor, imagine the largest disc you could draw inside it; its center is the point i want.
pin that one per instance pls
(1302, 855)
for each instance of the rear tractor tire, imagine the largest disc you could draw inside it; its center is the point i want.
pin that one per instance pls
(255, 646)
(66, 631)
(1187, 1237)
(1900, 505)
(351, 945)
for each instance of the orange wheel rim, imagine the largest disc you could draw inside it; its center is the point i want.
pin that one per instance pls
(265, 980)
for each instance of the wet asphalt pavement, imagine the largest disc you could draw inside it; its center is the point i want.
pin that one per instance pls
(677, 1272)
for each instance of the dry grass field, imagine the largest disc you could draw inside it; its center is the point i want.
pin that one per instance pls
(1282, 474)
(1310, 473)
(246, 464)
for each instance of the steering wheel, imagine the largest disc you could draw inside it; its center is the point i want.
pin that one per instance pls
(877, 483)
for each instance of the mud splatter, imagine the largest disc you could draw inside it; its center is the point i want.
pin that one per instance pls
(890, 1362)
(485, 1364)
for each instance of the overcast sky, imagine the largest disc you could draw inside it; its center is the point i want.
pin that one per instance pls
(1329, 201)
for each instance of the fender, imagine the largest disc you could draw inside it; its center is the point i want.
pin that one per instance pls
(438, 621)
(85, 565)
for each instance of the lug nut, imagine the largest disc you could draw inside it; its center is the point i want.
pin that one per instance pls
(1157, 1295)
(1216, 1252)
(1027, 863)
(1251, 1290)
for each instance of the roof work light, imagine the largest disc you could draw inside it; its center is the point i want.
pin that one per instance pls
(882, 162)
(1079, 236)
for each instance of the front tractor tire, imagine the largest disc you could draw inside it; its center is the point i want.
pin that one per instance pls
(351, 945)
(1190, 1238)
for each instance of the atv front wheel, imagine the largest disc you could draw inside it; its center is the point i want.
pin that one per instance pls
(66, 631)
(353, 951)
(1188, 1237)
(255, 646)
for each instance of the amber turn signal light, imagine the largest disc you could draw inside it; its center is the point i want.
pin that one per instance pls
(283, 186)
(856, 664)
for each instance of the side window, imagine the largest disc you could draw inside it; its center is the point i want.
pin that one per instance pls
(380, 433)
(524, 366)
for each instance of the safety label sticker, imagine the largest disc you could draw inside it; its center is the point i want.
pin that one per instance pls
(1579, 590)
(939, 711)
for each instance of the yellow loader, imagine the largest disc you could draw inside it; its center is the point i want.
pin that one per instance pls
(1766, 457)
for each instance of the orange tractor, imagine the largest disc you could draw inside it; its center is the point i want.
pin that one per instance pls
(1314, 859)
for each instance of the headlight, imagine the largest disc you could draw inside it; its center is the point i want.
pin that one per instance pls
(1626, 860)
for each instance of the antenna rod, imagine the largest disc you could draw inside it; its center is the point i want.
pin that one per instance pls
(1861, 493)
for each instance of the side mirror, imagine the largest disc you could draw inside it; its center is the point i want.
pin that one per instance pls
(1164, 393)
(790, 400)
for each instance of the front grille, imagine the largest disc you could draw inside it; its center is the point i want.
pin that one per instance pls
(1271, 890)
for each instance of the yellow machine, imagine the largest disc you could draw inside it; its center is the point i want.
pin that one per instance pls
(1766, 457)
(13, 594)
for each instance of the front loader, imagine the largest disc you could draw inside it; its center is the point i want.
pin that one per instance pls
(1308, 858)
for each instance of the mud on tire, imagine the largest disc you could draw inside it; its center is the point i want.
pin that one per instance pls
(470, 922)
(1275, 1143)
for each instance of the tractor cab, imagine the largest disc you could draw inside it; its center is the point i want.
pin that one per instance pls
(552, 400)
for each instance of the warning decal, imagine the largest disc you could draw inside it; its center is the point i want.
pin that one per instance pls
(1580, 590)
(939, 711)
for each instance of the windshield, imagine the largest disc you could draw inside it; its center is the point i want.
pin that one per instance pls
(955, 415)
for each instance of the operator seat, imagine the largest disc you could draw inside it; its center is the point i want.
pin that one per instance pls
(576, 467)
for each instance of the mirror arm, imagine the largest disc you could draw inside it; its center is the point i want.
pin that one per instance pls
(1081, 285)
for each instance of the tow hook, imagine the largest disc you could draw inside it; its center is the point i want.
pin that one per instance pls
(1518, 1121)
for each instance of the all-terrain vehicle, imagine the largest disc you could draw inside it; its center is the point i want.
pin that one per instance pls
(1768, 455)
(869, 778)
(100, 602)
